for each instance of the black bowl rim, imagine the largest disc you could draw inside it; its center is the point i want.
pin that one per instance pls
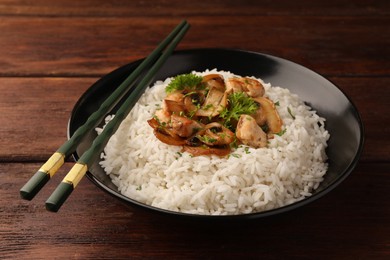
(253, 215)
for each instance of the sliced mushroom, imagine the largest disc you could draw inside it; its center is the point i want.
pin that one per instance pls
(173, 106)
(167, 139)
(215, 101)
(153, 123)
(163, 128)
(205, 150)
(250, 133)
(214, 80)
(251, 87)
(215, 134)
(273, 119)
(193, 101)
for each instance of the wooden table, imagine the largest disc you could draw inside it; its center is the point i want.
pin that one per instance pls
(52, 51)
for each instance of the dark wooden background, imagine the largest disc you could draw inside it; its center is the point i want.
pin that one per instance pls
(52, 51)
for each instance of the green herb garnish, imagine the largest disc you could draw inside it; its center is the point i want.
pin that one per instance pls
(207, 107)
(184, 81)
(235, 155)
(281, 132)
(189, 93)
(234, 144)
(207, 139)
(291, 114)
(238, 104)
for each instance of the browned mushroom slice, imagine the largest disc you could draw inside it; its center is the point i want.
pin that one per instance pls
(215, 101)
(250, 133)
(251, 87)
(173, 106)
(214, 80)
(215, 134)
(163, 128)
(205, 150)
(193, 101)
(273, 119)
(153, 123)
(168, 139)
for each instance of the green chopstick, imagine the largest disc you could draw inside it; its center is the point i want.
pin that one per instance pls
(71, 180)
(43, 175)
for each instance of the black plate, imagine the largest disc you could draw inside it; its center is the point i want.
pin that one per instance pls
(342, 118)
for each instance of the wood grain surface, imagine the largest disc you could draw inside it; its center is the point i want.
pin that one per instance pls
(53, 51)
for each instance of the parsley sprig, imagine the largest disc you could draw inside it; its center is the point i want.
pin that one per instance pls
(238, 104)
(184, 81)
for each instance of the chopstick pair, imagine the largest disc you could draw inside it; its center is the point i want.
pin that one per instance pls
(156, 59)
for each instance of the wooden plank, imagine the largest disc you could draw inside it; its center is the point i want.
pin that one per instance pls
(58, 46)
(35, 113)
(190, 8)
(94, 225)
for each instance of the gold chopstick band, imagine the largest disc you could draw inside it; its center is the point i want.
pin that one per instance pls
(76, 174)
(53, 164)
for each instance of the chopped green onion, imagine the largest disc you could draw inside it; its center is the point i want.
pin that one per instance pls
(289, 111)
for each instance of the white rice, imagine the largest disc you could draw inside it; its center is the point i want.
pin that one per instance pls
(249, 180)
